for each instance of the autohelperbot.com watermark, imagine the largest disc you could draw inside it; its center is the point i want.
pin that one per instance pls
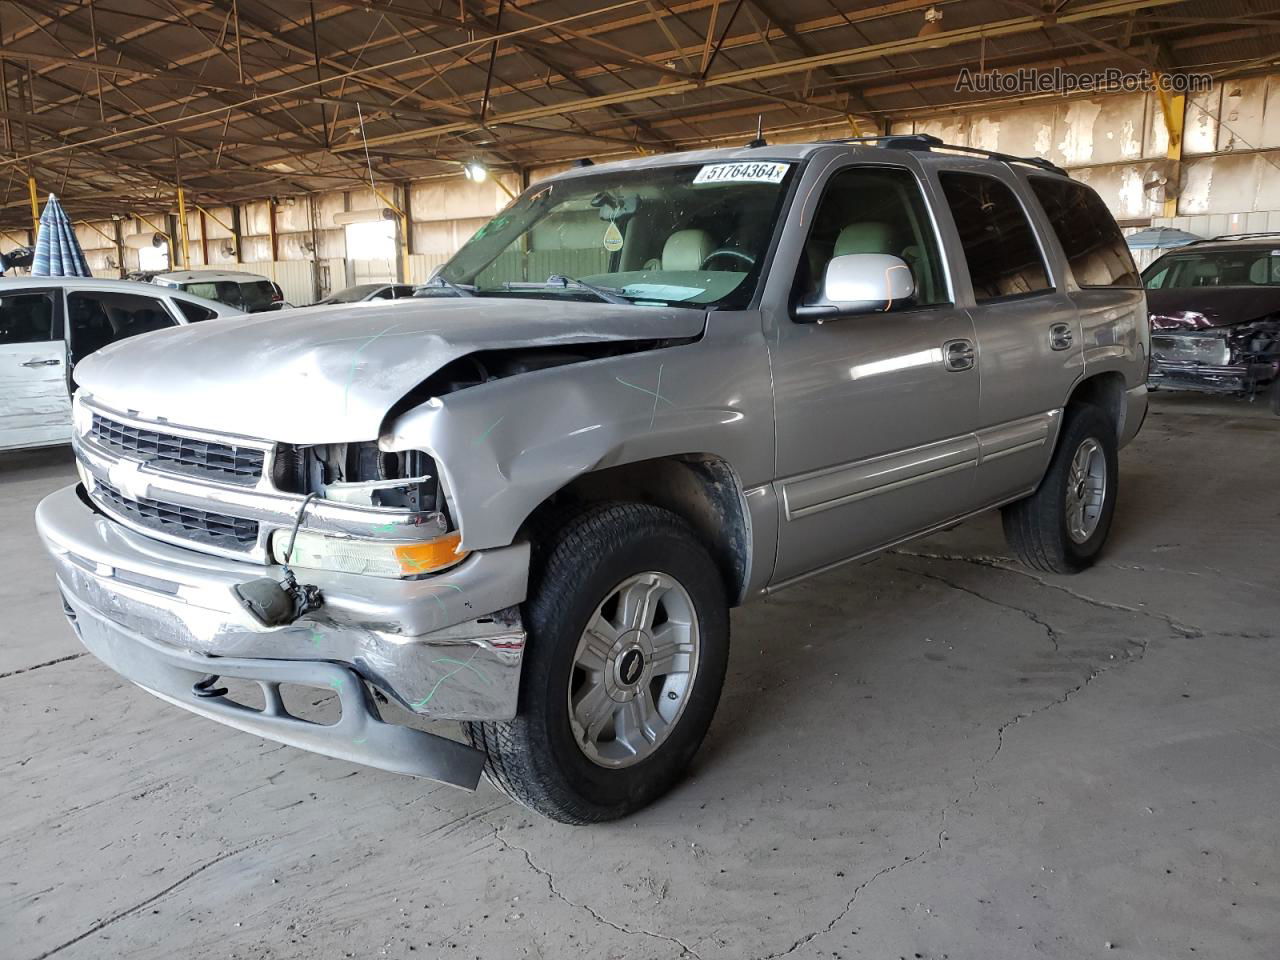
(1029, 80)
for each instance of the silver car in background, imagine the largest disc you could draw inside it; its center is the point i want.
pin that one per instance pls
(48, 325)
(642, 394)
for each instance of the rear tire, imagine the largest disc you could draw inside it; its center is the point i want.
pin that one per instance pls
(610, 717)
(1062, 527)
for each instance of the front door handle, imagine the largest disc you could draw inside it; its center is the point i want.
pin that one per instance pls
(1060, 336)
(958, 355)
(42, 363)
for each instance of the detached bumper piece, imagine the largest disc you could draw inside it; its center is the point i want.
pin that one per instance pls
(1208, 378)
(360, 736)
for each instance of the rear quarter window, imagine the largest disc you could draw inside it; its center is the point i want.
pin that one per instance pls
(193, 312)
(1094, 247)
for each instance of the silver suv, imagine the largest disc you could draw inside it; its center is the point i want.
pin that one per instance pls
(642, 394)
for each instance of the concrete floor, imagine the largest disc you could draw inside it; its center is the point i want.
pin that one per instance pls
(935, 755)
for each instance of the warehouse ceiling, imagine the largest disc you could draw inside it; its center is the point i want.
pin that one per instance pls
(113, 103)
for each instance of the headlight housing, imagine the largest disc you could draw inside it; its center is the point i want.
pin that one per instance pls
(418, 541)
(373, 558)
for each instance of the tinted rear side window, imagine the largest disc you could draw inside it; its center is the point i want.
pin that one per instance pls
(97, 319)
(1094, 246)
(258, 295)
(1000, 247)
(193, 311)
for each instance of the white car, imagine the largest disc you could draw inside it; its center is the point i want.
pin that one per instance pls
(249, 292)
(49, 324)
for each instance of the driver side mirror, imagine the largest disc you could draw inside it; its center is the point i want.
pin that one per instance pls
(860, 283)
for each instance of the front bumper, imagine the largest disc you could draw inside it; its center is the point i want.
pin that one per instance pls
(448, 647)
(1208, 378)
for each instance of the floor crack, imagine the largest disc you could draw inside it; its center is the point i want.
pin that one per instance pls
(47, 663)
(857, 892)
(1048, 629)
(1005, 564)
(149, 900)
(1138, 648)
(685, 949)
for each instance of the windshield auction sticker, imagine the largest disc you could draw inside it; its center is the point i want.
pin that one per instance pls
(742, 173)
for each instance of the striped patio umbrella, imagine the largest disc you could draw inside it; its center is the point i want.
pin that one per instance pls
(58, 252)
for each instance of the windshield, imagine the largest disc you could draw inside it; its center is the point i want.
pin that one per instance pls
(693, 236)
(1259, 267)
(353, 294)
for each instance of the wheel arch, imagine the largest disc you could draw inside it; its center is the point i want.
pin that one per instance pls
(1106, 391)
(701, 488)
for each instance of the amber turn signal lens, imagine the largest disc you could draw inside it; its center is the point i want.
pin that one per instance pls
(432, 555)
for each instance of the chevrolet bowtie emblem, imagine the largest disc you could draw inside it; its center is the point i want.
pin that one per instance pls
(126, 476)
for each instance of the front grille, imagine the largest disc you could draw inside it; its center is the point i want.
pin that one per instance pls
(199, 458)
(216, 529)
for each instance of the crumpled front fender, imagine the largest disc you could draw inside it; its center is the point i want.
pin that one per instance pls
(505, 446)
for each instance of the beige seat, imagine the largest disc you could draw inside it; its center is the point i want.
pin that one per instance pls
(686, 249)
(866, 237)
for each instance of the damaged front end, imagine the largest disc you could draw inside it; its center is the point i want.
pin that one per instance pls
(1188, 353)
(159, 548)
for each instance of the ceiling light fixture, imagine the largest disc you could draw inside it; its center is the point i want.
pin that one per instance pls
(475, 171)
(932, 23)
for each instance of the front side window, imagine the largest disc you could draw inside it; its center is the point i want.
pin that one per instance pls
(1090, 238)
(26, 318)
(999, 245)
(873, 210)
(1215, 268)
(97, 319)
(692, 236)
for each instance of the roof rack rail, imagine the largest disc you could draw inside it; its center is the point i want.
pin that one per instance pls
(928, 142)
(1246, 236)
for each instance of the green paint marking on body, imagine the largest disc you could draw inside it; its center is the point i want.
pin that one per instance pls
(490, 429)
(361, 740)
(316, 637)
(464, 664)
(389, 527)
(336, 683)
(432, 692)
(653, 393)
(355, 358)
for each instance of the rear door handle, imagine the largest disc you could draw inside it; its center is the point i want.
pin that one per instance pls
(1060, 336)
(957, 355)
(42, 363)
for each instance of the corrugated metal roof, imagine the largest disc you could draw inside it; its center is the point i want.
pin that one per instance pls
(112, 108)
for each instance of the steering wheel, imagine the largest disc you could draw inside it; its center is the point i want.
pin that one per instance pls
(746, 258)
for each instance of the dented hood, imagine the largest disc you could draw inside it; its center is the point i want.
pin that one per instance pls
(1201, 308)
(330, 374)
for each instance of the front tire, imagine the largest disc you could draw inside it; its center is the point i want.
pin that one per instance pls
(1062, 527)
(628, 642)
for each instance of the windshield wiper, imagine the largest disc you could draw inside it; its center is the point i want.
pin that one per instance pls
(609, 296)
(444, 283)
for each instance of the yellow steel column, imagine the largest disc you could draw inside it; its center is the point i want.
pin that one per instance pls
(35, 209)
(182, 219)
(1175, 113)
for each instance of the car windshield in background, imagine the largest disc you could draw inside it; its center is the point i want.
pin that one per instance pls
(249, 296)
(353, 294)
(694, 236)
(1259, 267)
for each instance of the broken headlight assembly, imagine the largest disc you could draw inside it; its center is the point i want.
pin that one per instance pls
(408, 533)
